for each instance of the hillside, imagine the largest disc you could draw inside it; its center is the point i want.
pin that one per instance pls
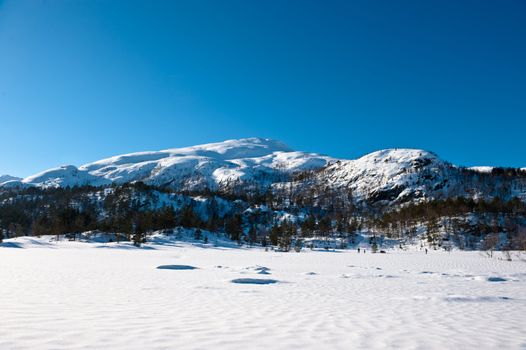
(261, 191)
(393, 175)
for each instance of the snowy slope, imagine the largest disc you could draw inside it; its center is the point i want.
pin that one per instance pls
(209, 165)
(5, 178)
(8, 181)
(396, 176)
(389, 175)
(66, 175)
(482, 169)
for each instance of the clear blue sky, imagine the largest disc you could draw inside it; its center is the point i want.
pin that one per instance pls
(82, 80)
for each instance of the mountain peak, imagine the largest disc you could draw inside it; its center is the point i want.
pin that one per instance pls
(236, 148)
(6, 178)
(399, 153)
(208, 165)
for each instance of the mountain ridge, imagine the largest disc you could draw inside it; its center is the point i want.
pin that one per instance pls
(393, 175)
(6, 178)
(246, 152)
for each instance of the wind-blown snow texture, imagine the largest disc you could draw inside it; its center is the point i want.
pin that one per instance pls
(71, 295)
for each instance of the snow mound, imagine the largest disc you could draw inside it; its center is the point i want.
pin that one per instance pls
(254, 281)
(176, 267)
(496, 279)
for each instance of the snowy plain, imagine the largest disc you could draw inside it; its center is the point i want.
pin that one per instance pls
(77, 295)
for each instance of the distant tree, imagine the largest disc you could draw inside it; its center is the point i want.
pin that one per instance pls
(197, 235)
(188, 217)
(298, 244)
(252, 235)
(284, 242)
(234, 227)
(212, 222)
(213, 215)
(520, 240)
(324, 225)
(308, 226)
(490, 243)
(138, 239)
(167, 217)
(275, 234)
(432, 233)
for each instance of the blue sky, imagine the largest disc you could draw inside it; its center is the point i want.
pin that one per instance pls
(83, 80)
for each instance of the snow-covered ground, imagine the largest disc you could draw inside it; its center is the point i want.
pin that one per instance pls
(72, 295)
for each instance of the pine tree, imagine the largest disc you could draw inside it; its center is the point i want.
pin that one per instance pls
(197, 235)
(234, 228)
(252, 235)
(284, 242)
(275, 234)
(324, 225)
(188, 217)
(138, 239)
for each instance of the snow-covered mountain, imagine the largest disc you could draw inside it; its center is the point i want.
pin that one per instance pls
(7, 178)
(210, 165)
(410, 175)
(387, 176)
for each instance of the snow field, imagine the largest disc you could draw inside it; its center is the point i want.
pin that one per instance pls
(72, 295)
